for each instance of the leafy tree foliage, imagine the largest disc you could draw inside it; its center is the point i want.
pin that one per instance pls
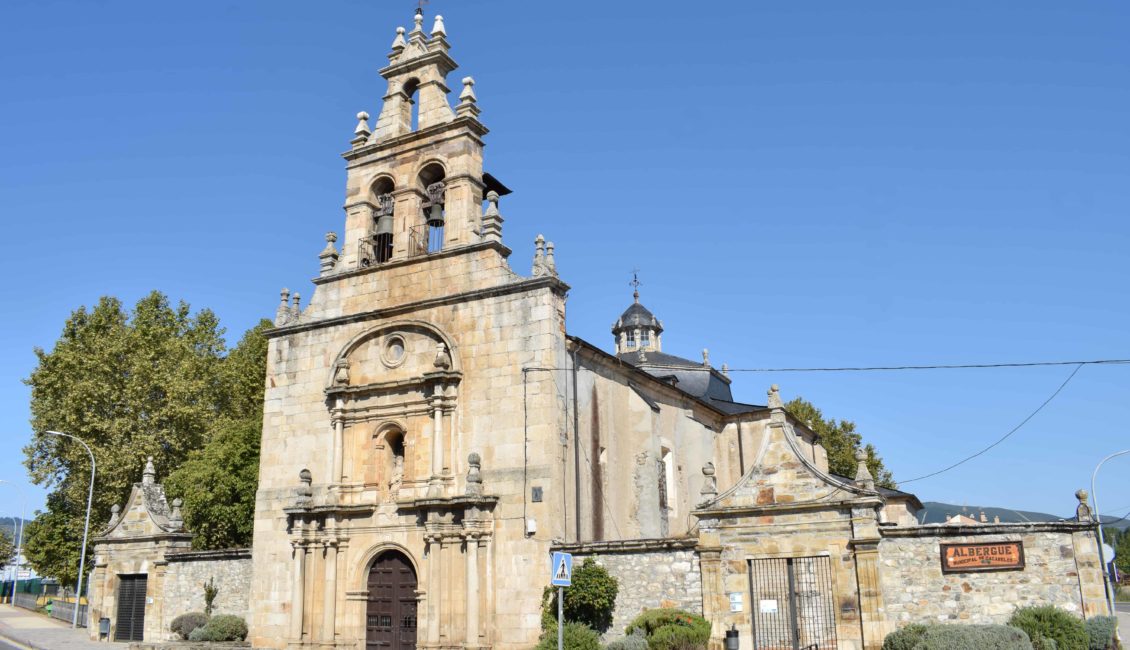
(151, 381)
(1122, 552)
(7, 550)
(840, 439)
(591, 600)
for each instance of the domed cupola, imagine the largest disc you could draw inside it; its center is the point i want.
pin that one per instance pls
(637, 329)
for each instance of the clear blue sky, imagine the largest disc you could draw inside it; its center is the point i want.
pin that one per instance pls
(800, 184)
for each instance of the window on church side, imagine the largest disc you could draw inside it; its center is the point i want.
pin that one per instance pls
(631, 339)
(645, 338)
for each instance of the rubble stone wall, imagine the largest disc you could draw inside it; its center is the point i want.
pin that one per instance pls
(184, 584)
(1061, 569)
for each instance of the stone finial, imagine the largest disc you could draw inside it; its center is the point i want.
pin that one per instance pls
(539, 256)
(328, 256)
(984, 518)
(296, 306)
(474, 475)
(398, 43)
(341, 372)
(361, 133)
(709, 482)
(550, 261)
(705, 358)
(176, 518)
(419, 20)
(641, 356)
(304, 493)
(149, 474)
(492, 220)
(774, 399)
(468, 94)
(996, 519)
(115, 513)
(1083, 513)
(443, 358)
(863, 476)
(283, 313)
(437, 27)
(725, 370)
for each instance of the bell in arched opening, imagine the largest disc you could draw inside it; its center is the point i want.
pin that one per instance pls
(434, 216)
(382, 235)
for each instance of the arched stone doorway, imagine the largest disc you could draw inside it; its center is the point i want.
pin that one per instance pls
(390, 613)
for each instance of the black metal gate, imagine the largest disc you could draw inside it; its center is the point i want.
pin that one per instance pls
(131, 608)
(791, 603)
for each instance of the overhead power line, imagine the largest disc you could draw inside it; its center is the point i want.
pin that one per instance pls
(1029, 364)
(1079, 366)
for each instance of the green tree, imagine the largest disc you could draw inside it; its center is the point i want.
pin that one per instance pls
(1122, 552)
(7, 550)
(153, 381)
(840, 439)
(589, 601)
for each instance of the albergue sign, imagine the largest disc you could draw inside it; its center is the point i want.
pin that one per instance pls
(993, 556)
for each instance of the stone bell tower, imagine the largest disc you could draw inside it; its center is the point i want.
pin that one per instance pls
(415, 182)
(412, 407)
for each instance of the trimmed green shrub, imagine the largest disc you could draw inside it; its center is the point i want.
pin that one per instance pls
(1046, 621)
(634, 641)
(591, 600)
(184, 624)
(671, 629)
(905, 638)
(224, 627)
(1043, 643)
(577, 636)
(1100, 632)
(957, 637)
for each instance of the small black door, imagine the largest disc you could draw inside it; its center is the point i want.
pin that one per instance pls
(390, 619)
(131, 608)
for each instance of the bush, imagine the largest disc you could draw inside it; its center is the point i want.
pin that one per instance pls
(590, 600)
(221, 628)
(1055, 624)
(957, 637)
(577, 636)
(905, 638)
(671, 629)
(634, 641)
(1100, 632)
(184, 624)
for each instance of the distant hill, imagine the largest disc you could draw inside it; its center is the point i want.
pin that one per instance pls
(8, 526)
(934, 512)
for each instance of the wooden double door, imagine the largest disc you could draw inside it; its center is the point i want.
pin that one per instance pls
(390, 616)
(131, 608)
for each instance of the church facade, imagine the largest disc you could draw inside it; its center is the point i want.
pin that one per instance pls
(432, 433)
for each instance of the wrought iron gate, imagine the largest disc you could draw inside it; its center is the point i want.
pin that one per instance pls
(791, 603)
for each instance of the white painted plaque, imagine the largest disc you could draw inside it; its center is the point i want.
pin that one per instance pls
(735, 601)
(768, 606)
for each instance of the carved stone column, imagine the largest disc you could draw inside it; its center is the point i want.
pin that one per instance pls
(472, 591)
(435, 485)
(298, 591)
(338, 444)
(434, 577)
(329, 599)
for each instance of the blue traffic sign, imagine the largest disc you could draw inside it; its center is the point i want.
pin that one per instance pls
(561, 570)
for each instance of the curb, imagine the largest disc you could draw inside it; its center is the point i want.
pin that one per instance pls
(19, 643)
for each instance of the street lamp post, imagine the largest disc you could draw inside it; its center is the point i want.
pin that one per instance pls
(19, 538)
(86, 527)
(1108, 588)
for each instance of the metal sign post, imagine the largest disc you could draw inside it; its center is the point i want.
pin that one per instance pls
(561, 576)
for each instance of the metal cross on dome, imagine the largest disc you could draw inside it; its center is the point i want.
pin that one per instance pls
(420, 5)
(635, 284)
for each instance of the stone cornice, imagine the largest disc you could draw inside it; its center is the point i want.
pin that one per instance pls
(375, 314)
(427, 137)
(625, 545)
(197, 556)
(986, 529)
(408, 261)
(437, 57)
(786, 508)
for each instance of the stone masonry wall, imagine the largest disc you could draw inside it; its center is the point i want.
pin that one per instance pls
(1060, 569)
(187, 573)
(651, 573)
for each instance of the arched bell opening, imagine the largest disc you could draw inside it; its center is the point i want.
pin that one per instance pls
(383, 225)
(411, 114)
(390, 612)
(431, 182)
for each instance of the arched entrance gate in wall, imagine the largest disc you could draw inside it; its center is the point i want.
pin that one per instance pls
(390, 613)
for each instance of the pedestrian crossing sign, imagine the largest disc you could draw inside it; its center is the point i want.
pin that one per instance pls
(561, 570)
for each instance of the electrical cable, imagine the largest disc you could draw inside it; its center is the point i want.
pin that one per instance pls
(1031, 415)
(1029, 364)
